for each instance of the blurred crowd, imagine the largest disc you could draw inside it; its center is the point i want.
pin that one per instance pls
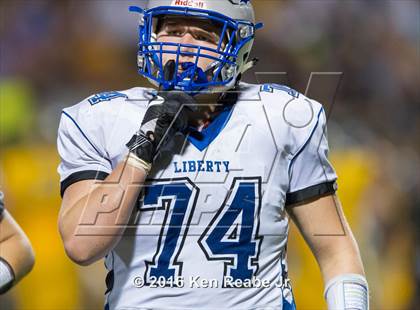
(364, 57)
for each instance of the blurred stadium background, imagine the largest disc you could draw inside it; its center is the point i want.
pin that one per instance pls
(55, 53)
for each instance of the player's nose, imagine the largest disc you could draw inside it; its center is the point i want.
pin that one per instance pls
(188, 39)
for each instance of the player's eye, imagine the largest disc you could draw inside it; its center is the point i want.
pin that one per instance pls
(206, 38)
(174, 30)
(202, 38)
(175, 33)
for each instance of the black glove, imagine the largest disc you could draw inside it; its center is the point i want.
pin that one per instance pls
(161, 122)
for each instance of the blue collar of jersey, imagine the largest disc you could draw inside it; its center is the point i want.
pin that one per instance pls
(202, 139)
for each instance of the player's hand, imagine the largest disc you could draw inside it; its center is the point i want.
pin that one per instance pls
(162, 120)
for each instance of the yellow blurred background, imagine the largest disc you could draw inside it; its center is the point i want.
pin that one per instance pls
(55, 53)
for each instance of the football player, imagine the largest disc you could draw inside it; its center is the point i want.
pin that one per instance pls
(16, 254)
(185, 189)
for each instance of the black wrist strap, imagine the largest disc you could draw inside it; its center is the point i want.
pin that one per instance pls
(142, 147)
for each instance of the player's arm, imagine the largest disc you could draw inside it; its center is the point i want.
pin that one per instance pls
(106, 204)
(316, 210)
(16, 254)
(105, 207)
(325, 229)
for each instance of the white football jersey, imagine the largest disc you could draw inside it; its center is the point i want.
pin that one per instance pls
(210, 228)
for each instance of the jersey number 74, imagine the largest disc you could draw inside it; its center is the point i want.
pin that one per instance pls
(231, 236)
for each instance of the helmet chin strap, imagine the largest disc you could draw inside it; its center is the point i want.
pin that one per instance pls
(211, 66)
(194, 72)
(246, 67)
(191, 71)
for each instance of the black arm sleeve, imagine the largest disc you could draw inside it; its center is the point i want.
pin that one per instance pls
(80, 176)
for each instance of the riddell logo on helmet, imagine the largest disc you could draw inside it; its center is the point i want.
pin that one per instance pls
(190, 3)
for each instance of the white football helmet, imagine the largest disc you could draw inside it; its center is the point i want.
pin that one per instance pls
(237, 30)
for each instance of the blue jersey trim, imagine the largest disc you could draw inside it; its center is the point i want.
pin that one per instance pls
(106, 96)
(108, 292)
(84, 135)
(202, 139)
(288, 306)
(307, 141)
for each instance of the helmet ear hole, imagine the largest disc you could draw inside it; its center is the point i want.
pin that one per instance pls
(245, 57)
